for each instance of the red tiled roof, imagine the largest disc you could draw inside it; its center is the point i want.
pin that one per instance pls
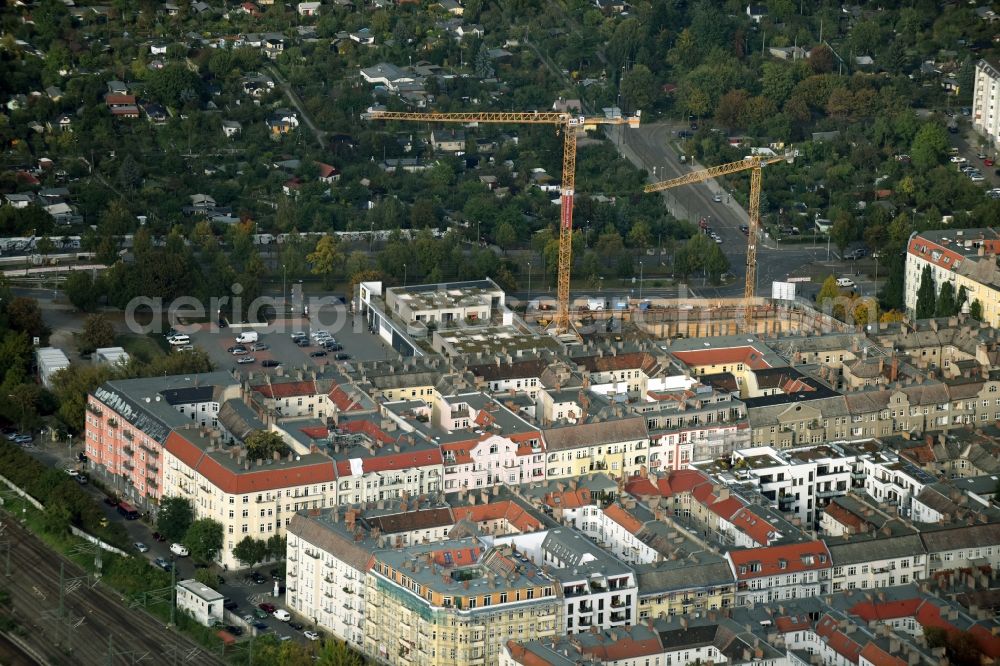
(777, 560)
(787, 624)
(286, 389)
(843, 516)
(726, 508)
(748, 356)
(886, 610)
(880, 657)
(367, 427)
(520, 654)
(458, 556)
(624, 648)
(256, 479)
(570, 499)
(112, 99)
(757, 528)
(316, 432)
(342, 400)
(618, 514)
(514, 514)
(837, 640)
(393, 461)
(325, 170)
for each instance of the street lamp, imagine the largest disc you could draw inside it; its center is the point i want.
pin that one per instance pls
(284, 293)
(404, 275)
(640, 280)
(529, 286)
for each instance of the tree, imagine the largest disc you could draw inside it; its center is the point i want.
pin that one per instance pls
(961, 299)
(263, 444)
(930, 146)
(206, 578)
(841, 233)
(204, 539)
(976, 310)
(276, 547)
(175, 517)
(828, 291)
(44, 245)
(23, 314)
(81, 290)
(250, 551)
(946, 304)
(926, 299)
(505, 235)
(639, 88)
(336, 653)
(97, 332)
(325, 259)
(821, 59)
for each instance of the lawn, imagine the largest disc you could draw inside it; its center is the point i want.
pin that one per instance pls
(143, 347)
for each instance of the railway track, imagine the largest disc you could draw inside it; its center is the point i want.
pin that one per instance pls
(97, 623)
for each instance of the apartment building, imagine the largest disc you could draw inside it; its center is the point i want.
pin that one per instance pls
(798, 481)
(596, 589)
(876, 560)
(698, 583)
(455, 602)
(786, 571)
(986, 101)
(619, 446)
(256, 498)
(127, 423)
(965, 258)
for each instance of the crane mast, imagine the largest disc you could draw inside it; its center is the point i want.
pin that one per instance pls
(754, 164)
(569, 124)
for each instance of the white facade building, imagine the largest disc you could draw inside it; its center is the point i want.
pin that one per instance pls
(986, 101)
(202, 602)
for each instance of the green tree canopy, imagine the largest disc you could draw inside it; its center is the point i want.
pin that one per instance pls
(263, 444)
(946, 305)
(175, 517)
(250, 551)
(204, 538)
(926, 298)
(98, 332)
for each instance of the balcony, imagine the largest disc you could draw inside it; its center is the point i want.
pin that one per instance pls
(152, 452)
(95, 410)
(328, 579)
(617, 602)
(152, 483)
(127, 434)
(127, 465)
(128, 451)
(312, 554)
(152, 467)
(328, 594)
(586, 607)
(832, 492)
(112, 423)
(293, 557)
(617, 616)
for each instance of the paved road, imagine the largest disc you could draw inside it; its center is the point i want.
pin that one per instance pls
(103, 626)
(297, 103)
(650, 147)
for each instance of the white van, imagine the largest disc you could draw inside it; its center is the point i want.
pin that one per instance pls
(845, 282)
(247, 336)
(179, 339)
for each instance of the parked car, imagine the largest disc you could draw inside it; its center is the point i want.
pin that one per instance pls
(237, 349)
(111, 501)
(297, 626)
(846, 283)
(179, 549)
(311, 635)
(302, 342)
(270, 363)
(745, 229)
(157, 536)
(229, 604)
(243, 360)
(343, 357)
(282, 614)
(260, 626)
(23, 439)
(261, 614)
(717, 198)
(299, 335)
(257, 578)
(234, 630)
(266, 607)
(163, 563)
(332, 345)
(81, 479)
(988, 162)
(141, 547)
(259, 346)
(317, 354)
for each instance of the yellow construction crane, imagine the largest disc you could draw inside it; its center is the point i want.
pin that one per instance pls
(753, 163)
(569, 124)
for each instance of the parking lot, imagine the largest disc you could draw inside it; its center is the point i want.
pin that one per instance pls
(349, 331)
